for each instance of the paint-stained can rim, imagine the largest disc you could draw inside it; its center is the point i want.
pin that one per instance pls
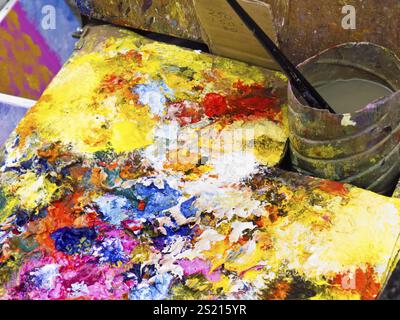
(369, 108)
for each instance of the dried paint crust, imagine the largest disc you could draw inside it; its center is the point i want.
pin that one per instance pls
(176, 18)
(296, 22)
(90, 210)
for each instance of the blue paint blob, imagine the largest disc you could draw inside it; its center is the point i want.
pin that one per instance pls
(138, 272)
(35, 164)
(156, 200)
(154, 95)
(184, 231)
(84, 7)
(17, 139)
(157, 291)
(188, 209)
(112, 251)
(160, 242)
(27, 164)
(72, 241)
(21, 218)
(114, 209)
(40, 215)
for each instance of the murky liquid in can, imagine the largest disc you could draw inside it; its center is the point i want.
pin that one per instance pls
(348, 96)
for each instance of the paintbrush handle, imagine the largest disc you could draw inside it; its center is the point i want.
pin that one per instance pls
(298, 81)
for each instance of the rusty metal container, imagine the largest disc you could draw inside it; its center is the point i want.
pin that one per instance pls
(361, 148)
(319, 25)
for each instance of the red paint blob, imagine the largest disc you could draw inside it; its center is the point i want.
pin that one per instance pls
(246, 101)
(134, 55)
(141, 205)
(112, 82)
(132, 225)
(215, 105)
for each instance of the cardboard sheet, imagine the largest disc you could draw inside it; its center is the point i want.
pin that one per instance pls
(228, 36)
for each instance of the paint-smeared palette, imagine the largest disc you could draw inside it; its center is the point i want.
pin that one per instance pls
(152, 178)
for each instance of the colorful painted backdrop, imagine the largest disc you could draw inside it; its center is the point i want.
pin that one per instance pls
(35, 40)
(9, 118)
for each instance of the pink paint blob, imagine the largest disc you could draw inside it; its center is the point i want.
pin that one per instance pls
(199, 266)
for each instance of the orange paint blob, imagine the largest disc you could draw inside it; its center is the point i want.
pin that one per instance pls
(280, 292)
(66, 213)
(363, 282)
(141, 205)
(334, 187)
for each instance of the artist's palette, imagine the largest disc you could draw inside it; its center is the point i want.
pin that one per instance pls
(152, 178)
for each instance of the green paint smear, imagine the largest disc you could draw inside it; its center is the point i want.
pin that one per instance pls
(3, 200)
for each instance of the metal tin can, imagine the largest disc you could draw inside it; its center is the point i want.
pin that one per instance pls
(361, 148)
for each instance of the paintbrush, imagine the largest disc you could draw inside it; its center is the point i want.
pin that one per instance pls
(297, 80)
